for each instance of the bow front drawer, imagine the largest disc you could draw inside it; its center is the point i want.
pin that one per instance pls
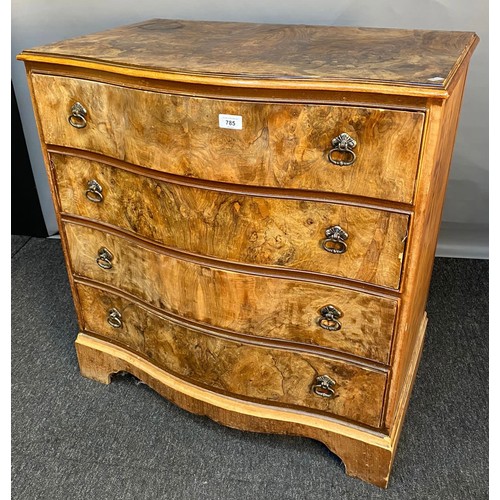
(306, 313)
(262, 373)
(363, 244)
(370, 152)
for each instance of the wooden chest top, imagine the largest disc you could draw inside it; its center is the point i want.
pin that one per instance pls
(395, 61)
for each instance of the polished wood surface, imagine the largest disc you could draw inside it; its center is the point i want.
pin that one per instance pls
(216, 222)
(365, 454)
(264, 54)
(270, 232)
(280, 145)
(360, 97)
(274, 375)
(431, 190)
(291, 310)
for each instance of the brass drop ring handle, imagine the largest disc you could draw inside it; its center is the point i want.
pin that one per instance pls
(115, 318)
(330, 324)
(329, 319)
(335, 240)
(77, 118)
(343, 143)
(324, 387)
(104, 258)
(94, 191)
(333, 246)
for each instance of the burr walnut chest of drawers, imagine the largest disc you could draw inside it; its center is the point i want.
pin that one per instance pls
(249, 215)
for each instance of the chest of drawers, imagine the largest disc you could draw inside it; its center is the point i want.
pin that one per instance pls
(249, 215)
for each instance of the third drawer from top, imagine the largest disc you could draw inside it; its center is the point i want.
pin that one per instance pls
(313, 314)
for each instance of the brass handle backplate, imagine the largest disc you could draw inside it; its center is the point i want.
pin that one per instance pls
(104, 258)
(345, 144)
(324, 387)
(335, 240)
(77, 118)
(94, 191)
(329, 319)
(115, 318)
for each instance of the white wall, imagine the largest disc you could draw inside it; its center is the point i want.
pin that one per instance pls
(465, 218)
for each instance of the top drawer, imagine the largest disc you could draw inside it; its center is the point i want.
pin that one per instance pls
(278, 145)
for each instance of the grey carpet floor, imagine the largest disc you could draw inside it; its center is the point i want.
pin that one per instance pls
(17, 242)
(77, 439)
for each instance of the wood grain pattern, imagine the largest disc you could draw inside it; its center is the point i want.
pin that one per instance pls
(53, 191)
(280, 144)
(267, 53)
(233, 301)
(432, 182)
(162, 83)
(338, 96)
(366, 455)
(278, 376)
(270, 232)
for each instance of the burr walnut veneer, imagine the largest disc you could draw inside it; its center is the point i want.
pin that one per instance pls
(249, 215)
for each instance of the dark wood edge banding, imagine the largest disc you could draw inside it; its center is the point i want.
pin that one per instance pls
(248, 190)
(270, 272)
(236, 336)
(409, 234)
(419, 159)
(327, 97)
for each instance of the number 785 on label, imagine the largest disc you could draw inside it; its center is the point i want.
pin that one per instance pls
(234, 122)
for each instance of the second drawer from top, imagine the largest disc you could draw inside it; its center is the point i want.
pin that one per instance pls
(371, 152)
(362, 244)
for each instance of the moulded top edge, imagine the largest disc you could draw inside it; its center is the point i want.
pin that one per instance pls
(391, 61)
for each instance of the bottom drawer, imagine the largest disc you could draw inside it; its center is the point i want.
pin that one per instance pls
(249, 370)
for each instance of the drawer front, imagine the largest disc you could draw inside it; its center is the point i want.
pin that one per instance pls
(273, 232)
(250, 304)
(279, 145)
(251, 371)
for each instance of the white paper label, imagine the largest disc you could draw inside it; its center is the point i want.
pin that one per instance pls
(234, 122)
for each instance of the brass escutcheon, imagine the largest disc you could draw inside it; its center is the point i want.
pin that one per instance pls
(115, 318)
(104, 258)
(329, 319)
(94, 191)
